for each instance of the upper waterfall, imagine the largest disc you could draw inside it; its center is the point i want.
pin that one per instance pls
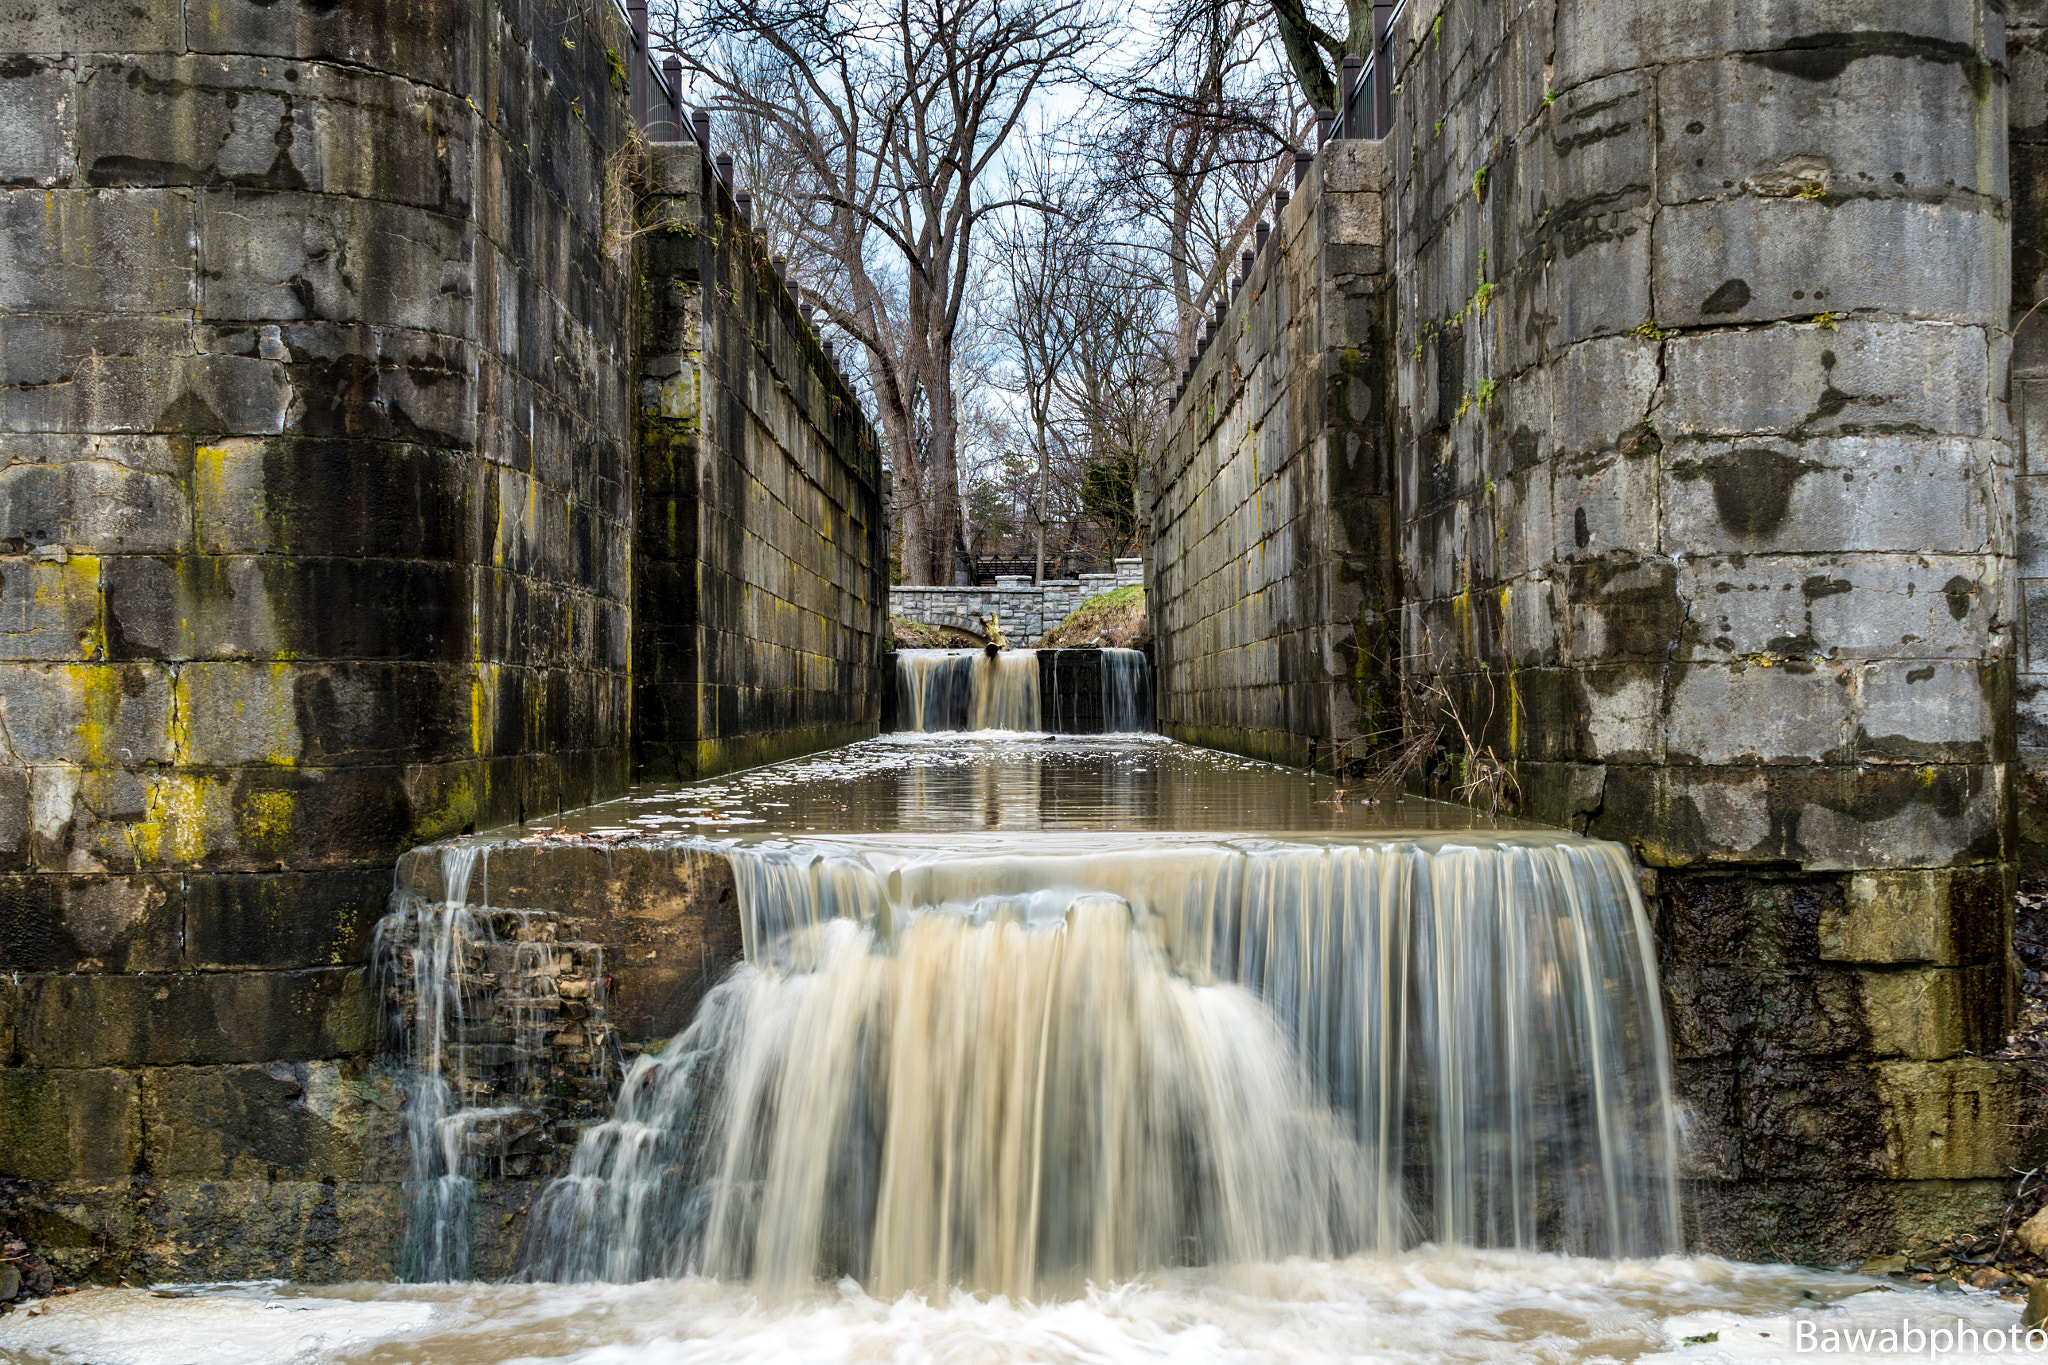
(1064, 691)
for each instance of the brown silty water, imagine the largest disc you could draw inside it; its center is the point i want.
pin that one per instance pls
(1076, 1048)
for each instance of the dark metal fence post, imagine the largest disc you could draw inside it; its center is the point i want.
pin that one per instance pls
(637, 11)
(724, 164)
(700, 128)
(745, 202)
(672, 73)
(1382, 68)
(1324, 118)
(1347, 122)
(1261, 232)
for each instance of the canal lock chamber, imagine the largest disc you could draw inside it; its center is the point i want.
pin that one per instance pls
(1020, 1011)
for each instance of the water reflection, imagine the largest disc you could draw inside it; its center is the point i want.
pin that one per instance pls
(1000, 780)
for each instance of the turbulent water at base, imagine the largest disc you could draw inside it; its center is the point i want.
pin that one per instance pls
(959, 689)
(1438, 1307)
(1036, 1063)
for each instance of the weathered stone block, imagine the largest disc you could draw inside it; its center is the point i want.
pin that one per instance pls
(1797, 714)
(1846, 494)
(68, 1125)
(50, 608)
(1867, 606)
(1600, 279)
(1759, 260)
(1895, 817)
(1825, 817)
(1600, 394)
(193, 1018)
(1858, 377)
(1937, 712)
(1595, 37)
(1818, 1119)
(51, 921)
(306, 1120)
(309, 1231)
(287, 919)
(1941, 916)
(1596, 155)
(1949, 1120)
(87, 506)
(1928, 1013)
(36, 109)
(281, 257)
(103, 251)
(371, 382)
(438, 44)
(231, 714)
(1897, 123)
(208, 607)
(87, 712)
(213, 394)
(257, 123)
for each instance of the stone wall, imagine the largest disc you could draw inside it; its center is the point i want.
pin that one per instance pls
(2026, 46)
(1705, 504)
(761, 569)
(312, 548)
(1266, 514)
(318, 513)
(1025, 609)
(1695, 356)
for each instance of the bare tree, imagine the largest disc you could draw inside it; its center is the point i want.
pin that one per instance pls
(890, 118)
(1037, 253)
(1201, 117)
(1314, 52)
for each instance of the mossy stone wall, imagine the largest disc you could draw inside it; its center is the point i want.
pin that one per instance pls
(761, 557)
(320, 478)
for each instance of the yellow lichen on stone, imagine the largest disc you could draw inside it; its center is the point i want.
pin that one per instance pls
(173, 827)
(266, 824)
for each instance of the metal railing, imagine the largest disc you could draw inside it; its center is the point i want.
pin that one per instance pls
(1366, 110)
(658, 90)
(1368, 86)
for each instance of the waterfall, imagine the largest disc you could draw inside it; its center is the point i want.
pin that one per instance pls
(1032, 1062)
(1097, 691)
(471, 1006)
(1126, 691)
(1078, 691)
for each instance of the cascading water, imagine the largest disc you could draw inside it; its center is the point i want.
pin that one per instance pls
(1075, 691)
(1029, 1012)
(1031, 1065)
(1090, 691)
(966, 689)
(474, 1003)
